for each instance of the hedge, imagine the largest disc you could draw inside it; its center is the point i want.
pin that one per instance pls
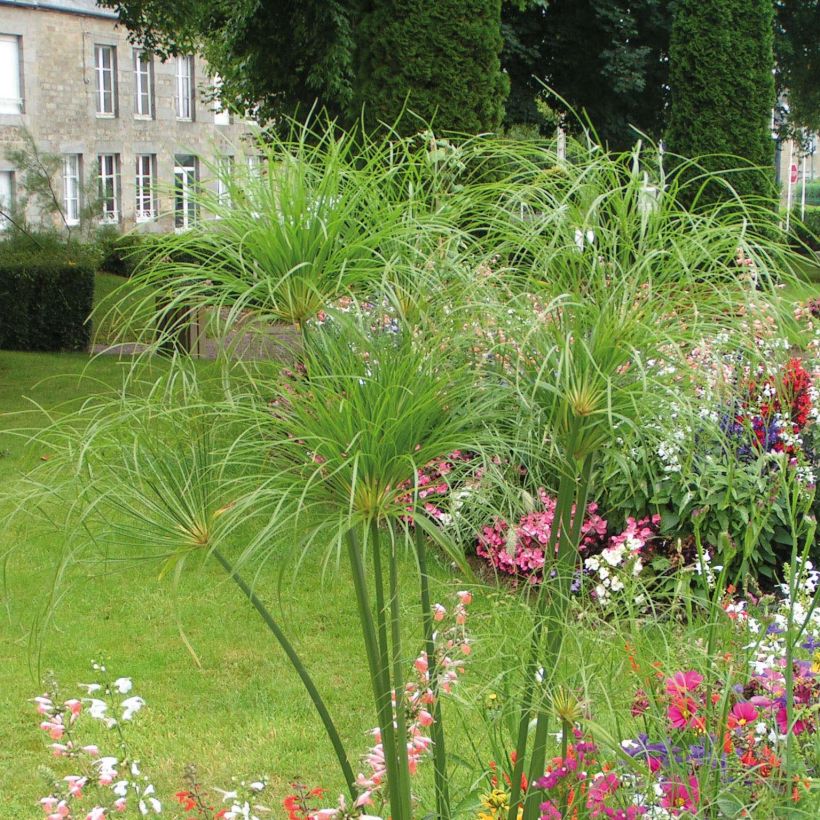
(807, 230)
(46, 296)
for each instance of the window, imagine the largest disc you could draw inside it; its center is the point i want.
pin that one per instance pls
(109, 166)
(143, 84)
(185, 177)
(224, 174)
(6, 198)
(221, 115)
(106, 87)
(10, 87)
(71, 188)
(145, 175)
(185, 88)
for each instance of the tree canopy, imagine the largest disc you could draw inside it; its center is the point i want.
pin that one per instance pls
(607, 58)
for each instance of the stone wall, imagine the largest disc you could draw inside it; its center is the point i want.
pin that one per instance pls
(58, 79)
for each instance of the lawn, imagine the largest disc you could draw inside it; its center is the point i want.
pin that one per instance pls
(241, 712)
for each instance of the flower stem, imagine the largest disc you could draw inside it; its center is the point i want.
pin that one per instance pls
(296, 662)
(437, 729)
(377, 663)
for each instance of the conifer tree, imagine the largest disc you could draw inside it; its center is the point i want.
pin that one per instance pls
(722, 89)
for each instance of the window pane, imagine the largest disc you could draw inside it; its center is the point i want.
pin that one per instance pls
(10, 102)
(71, 188)
(104, 67)
(108, 187)
(6, 197)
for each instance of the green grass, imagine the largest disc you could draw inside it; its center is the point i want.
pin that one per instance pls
(243, 712)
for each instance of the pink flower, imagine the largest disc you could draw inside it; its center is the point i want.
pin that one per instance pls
(682, 682)
(679, 796)
(798, 726)
(465, 597)
(425, 718)
(741, 714)
(438, 612)
(45, 706)
(96, 814)
(681, 713)
(54, 728)
(75, 784)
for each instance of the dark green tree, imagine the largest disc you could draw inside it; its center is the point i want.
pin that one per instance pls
(278, 57)
(797, 48)
(273, 57)
(606, 58)
(439, 59)
(722, 89)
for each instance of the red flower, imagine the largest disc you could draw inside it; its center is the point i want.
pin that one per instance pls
(186, 800)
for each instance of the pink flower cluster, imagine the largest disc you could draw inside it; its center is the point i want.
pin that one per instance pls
(93, 772)
(522, 550)
(430, 678)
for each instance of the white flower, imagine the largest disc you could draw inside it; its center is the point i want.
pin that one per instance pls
(123, 685)
(130, 706)
(120, 788)
(98, 708)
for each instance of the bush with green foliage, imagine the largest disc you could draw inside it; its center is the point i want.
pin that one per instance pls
(119, 253)
(46, 296)
(805, 232)
(440, 59)
(722, 91)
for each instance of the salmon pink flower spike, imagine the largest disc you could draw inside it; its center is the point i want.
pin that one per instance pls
(54, 728)
(465, 597)
(438, 612)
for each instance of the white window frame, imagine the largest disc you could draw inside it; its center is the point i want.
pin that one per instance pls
(13, 104)
(101, 71)
(186, 178)
(143, 85)
(7, 200)
(108, 171)
(145, 187)
(72, 195)
(222, 116)
(184, 96)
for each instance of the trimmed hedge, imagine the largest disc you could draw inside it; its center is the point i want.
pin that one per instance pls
(46, 296)
(807, 231)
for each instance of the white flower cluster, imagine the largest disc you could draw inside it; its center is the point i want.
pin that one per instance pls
(613, 565)
(704, 568)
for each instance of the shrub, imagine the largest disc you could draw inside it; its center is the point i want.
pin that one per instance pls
(46, 295)
(806, 231)
(119, 253)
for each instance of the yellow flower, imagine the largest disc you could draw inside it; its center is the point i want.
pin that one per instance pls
(815, 663)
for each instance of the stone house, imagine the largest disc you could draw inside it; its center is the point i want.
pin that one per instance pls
(135, 134)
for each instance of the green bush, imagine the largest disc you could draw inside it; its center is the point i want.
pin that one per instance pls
(119, 253)
(46, 295)
(807, 230)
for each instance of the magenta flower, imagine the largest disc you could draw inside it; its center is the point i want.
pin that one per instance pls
(741, 715)
(682, 682)
(679, 796)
